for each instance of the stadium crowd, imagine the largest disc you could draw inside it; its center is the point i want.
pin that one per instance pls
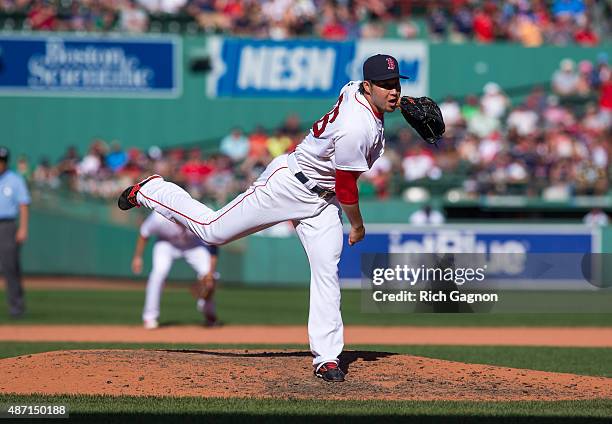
(530, 22)
(544, 146)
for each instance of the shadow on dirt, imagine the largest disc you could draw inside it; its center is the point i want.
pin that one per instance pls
(346, 358)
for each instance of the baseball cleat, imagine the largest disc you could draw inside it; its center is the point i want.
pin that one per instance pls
(150, 324)
(330, 371)
(127, 200)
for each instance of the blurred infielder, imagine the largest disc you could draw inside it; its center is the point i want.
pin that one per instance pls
(310, 187)
(175, 241)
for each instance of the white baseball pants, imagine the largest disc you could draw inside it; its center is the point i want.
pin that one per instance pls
(275, 197)
(164, 255)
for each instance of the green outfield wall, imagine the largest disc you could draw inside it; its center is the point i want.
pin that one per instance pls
(72, 237)
(45, 126)
(90, 245)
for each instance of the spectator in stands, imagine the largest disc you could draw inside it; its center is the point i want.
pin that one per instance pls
(419, 163)
(526, 31)
(194, 172)
(555, 115)
(437, 22)
(93, 161)
(463, 24)
(585, 35)
(571, 8)
(117, 158)
(278, 144)
(605, 97)
(585, 72)
(451, 112)
(42, 16)
(596, 218)
(45, 175)
(207, 15)
(292, 128)
(470, 107)
(482, 124)
(494, 102)
(235, 145)
(221, 183)
(523, 119)
(565, 79)
(258, 144)
(23, 168)
(484, 27)
(427, 216)
(163, 6)
(331, 26)
(132, 18)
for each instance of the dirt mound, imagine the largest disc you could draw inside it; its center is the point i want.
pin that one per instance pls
(283, 374)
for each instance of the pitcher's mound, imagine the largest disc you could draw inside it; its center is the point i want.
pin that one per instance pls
(283, 374)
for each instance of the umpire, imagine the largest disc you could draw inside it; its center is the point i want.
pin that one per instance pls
(14, 201)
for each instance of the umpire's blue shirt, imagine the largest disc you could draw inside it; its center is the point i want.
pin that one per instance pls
(13, 192)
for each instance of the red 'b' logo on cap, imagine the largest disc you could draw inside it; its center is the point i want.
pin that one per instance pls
(390, 64)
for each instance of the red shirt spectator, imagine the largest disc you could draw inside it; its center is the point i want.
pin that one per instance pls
(195, 170)
(334, 30)
(483, 27)
(605, 99)
(42, 17)
(586, 37)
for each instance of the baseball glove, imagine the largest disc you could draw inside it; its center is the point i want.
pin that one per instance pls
(423, 114)
(204, 287)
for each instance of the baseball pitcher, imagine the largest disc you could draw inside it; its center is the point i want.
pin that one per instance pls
(310, 187)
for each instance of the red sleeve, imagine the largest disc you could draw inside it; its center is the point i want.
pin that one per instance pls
(346, 186)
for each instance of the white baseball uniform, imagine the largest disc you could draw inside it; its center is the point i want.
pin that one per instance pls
(349, 137)
(173, 241)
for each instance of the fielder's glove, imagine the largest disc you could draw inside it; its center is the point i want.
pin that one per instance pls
(423, 114)
(204, 287)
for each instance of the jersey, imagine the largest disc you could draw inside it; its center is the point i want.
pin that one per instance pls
(178, 236)
(350, 137)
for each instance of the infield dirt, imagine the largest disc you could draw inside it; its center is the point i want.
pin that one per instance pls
(284, 374)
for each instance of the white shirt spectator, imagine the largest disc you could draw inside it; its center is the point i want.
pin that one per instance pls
(489, 147)
(427, 216)
(494, 103)
(418, 165)
(164, 6)
(565, 80)
(451, 112)
(90, 165)
(525, 121)
(132, 18)
(596, 218)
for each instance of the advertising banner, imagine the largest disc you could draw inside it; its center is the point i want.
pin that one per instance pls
(305, 68)
(535, 255)
(64, 65)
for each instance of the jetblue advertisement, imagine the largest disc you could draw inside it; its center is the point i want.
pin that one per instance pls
(543, 253)
(305, 68)
(90, 66)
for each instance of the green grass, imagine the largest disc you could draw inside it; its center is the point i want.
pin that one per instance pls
(164, 409)
(253, 306)
(585, 361)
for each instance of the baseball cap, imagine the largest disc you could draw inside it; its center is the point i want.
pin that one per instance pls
(381, 67)
(4, 153)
